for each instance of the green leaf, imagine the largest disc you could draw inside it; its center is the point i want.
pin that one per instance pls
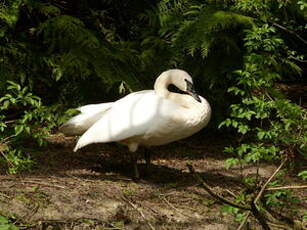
(231, 162)
(303, 174)
(3, 220)
(18, 129)
(261, 134)
(5, 104)
(243, 129)
(5, 227)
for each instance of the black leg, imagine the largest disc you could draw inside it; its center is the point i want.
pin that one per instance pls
(147, 157)
(134, 160)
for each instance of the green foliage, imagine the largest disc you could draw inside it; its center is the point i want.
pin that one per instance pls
(69, 50)
(6, 225)
(9, 13)
(24, 118)
(236, 212)
(279, 198)
(196, 29)
(271, 127)
(208, 29)
(303, 174)
(239, 215)
(277, 124)
(302, 4)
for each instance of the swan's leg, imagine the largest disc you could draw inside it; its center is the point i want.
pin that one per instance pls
(135, 166)
(147, 157)
(133, 149)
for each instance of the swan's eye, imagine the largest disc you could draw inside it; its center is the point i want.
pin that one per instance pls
(189, 85)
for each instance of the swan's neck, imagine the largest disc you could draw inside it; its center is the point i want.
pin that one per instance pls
(161, 85)
(161, 89)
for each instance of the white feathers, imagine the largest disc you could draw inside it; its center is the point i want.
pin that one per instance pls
(83, 121)
(149, 117)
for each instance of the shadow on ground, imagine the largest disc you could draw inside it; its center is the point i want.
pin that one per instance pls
(113, 161)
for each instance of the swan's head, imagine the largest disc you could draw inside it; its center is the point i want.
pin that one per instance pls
(183, 81)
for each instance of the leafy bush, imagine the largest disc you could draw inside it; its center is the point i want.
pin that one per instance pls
(271, 127)
(24, 120)
(276, 125)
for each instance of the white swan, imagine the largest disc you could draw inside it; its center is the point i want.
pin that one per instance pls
(149, 117)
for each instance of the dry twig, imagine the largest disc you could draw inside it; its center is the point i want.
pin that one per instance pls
(139, 211)
(253, 206)
(259, 216)
(287, 187)
(268, 181)
(244, 221)
(42, 183)
(172, 206)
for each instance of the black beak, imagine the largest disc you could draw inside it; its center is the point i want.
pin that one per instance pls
(191, 91)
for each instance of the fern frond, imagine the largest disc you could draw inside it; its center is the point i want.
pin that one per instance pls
(201, 32)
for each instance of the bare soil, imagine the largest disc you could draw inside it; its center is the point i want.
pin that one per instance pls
(93, 189)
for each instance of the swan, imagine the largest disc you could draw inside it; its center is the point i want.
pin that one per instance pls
(143, 118)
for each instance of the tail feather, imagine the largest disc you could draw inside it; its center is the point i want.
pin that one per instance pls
(83, 141)
(77, 125)
(78, 146)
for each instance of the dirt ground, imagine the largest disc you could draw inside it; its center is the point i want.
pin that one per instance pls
(93, 189)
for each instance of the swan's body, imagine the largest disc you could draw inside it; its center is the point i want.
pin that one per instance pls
(149, 117)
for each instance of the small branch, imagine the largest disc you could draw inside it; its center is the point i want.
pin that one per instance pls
(10, 121)
(287, 187)
(279, 226)
(290, 32)
(259, 216)
(8, 160)
(268, 181)
(139, 211)
(231, 193)
(273, 220)
(42, 183)
(296, 59)
(169, 204)
(244, 221)
(4, 140)
(212, 193)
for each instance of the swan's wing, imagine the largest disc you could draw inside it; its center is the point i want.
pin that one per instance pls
(133, 115)
(90, 114)
(95, 108)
